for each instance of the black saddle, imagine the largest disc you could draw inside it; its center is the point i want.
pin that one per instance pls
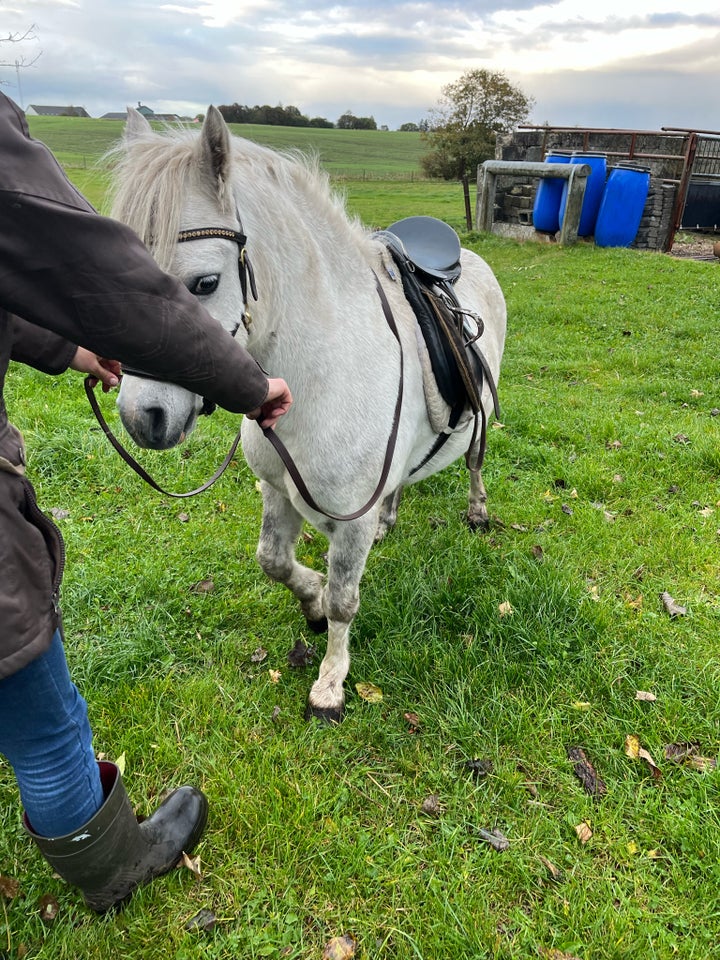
(431, 245)
(426, 252)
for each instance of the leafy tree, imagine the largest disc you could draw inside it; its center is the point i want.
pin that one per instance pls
(464, 126)
(409, 128)
(348, 121)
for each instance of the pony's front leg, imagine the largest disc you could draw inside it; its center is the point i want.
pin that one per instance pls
(350, 543)
(281, 525)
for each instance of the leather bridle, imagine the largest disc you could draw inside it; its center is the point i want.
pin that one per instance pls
(247, 280)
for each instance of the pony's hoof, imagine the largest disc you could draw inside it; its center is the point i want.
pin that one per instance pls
(478, 524)
(330, 716)
(318, 626)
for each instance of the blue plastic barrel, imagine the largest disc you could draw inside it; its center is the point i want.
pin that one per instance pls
(546, 208)
(622, 206)
(594, 189)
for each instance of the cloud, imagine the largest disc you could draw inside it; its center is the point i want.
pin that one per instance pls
(390, 60)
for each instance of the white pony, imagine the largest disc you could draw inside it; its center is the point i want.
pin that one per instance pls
(318, 323)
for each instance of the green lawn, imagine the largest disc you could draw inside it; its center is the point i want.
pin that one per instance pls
(496, 656)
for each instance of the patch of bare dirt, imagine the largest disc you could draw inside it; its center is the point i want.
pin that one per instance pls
(696, 246)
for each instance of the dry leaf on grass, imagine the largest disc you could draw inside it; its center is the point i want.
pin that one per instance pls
(202, 586)
(688, 754)
(49, 908)
(505, 609)
(583, 831)
(369, 692)
(555, 872)
(192, 864)
(258, 655)
(635, 750)
(645, 696)
(585, 772)
(274, 676)
(673, 609)
(340, 948)
(301, 655)
(497, 840)
(203, 921)
(9, 887)
(431, 806)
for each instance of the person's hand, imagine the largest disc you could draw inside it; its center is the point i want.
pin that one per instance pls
(277, 402)
(107, 372)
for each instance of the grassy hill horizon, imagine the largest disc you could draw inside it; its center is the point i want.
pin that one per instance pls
(81, 142)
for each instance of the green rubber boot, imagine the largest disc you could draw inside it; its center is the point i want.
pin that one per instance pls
(112, 853)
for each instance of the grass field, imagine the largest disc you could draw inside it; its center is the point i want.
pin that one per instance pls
(497, 657)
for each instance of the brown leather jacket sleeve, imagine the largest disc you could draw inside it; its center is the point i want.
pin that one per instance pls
(39, 348)
(91, 280)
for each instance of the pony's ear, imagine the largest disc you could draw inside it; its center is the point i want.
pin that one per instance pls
(136, 124)
(215, 141)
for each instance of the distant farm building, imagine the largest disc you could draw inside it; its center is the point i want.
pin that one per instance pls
(147, 113)
(35, 110)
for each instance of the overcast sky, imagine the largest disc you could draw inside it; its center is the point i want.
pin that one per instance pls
(638, 64)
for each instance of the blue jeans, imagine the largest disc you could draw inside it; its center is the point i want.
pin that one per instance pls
(46, 736)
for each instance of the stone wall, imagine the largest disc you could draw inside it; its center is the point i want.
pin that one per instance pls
(515, 196)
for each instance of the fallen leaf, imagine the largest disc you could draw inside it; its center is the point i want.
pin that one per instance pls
(183, 517)
(581, 705)
(645, 695)
(369, 692)
(192, 864)
(258, 655)
(681, 438)
(566, 509)
(202, 586)
(497, 840)
(431, 806)
(635, 750)
(275, 714)
(301, 655)
(613, 445)
(687, 753)
(49, 908)
(340, 948)
(203, 921)
(275, 676)
(673, 609)
(9, 887)
(120, 763)
(505, 609)
(537, 551)
(555, 872)
(479, 768)
(553, 954)
(585, 772)
(583, 831)
(632, 848)
(59, 514)
(413, 720)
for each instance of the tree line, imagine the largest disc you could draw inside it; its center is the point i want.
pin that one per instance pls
(291, 116)
(460, 133)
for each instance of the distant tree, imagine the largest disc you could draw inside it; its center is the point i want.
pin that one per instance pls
(348, 121)
(464, 127)
(409, 128)
(321, 122)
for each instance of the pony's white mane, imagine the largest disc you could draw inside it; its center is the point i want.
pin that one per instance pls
(154, 172)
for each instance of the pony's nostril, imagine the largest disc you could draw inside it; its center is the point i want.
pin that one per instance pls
(156, 424)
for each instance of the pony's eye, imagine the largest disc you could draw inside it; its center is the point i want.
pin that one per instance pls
(204, 286)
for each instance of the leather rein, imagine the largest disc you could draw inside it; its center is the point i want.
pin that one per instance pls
(247, 279)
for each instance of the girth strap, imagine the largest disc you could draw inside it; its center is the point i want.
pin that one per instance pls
(389, 450)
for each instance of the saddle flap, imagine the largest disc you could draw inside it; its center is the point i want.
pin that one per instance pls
(432, 245)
